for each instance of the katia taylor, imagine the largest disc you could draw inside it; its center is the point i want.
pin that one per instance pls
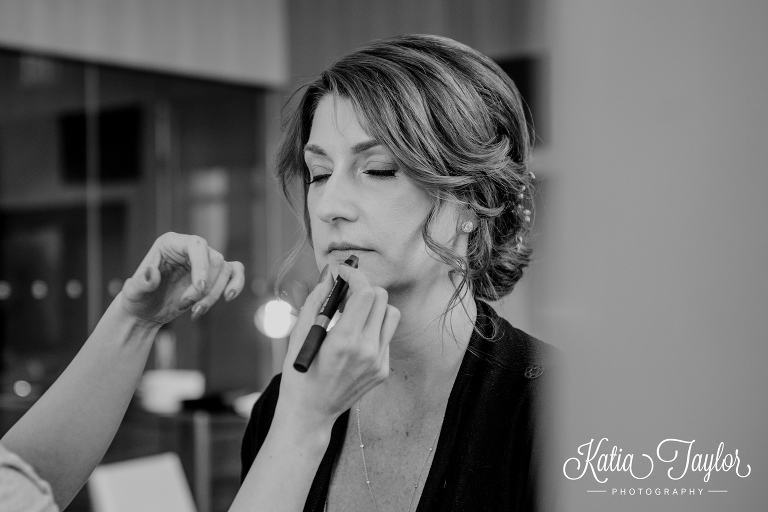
(678, 456)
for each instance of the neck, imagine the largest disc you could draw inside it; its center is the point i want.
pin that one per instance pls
(427, 348)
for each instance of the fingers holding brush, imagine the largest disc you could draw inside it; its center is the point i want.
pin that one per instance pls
(307, 316)
(352, 358)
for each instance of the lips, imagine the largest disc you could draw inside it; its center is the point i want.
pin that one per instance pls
(343, 246)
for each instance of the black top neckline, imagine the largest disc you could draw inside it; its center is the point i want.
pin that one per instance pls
(485, 323)
(493, 440)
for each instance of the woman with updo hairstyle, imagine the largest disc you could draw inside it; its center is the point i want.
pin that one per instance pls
(412, 154)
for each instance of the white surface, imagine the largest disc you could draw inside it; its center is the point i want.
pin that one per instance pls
(162, 391)
(148, 484)
(244, 404)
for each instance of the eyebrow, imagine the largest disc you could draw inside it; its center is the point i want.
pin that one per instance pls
(357, 148)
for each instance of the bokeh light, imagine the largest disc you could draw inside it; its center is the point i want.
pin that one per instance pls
(5, 290)
(74, 289)
(114, 287)
(22, 388)
(39, 289)
(274, 319)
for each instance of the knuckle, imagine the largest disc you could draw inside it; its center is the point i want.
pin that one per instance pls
(381, 293)
(310, 304)
(343, 348)
(216, 260)
(345, 334)
(196, 239)
(367, 294)
(206, 302)
(370, 355)
(368, 350)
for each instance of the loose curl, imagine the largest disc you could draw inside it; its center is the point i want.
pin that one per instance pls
(456, 124)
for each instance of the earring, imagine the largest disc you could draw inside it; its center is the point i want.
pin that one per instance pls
(467, 226)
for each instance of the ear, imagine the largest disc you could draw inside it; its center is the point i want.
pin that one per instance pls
(467, 221)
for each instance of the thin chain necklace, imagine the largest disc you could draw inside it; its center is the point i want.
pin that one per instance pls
(365, 465)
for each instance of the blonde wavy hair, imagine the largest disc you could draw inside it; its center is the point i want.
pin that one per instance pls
(456, 124)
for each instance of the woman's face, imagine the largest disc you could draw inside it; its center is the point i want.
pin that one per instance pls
(361, 202)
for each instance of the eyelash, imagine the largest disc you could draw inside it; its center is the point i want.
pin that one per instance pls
(381, 173)
(375, 173)
(317, 178)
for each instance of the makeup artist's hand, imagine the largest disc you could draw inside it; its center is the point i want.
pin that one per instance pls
(354, 357)
(180, 272)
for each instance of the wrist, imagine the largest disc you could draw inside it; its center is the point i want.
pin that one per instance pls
(125, 324)
(125, 314)
(307, 430)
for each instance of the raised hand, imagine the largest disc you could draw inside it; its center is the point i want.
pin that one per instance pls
(354, 357)
(180, 272)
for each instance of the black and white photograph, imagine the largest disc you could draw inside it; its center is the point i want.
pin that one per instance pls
(359, 256)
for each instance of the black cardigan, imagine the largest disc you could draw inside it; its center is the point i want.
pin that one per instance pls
(490, 449)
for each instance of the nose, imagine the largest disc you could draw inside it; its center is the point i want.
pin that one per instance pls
(335, 201)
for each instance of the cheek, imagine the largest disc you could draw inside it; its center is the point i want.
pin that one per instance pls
(408, 212)
(398, 228)
(309, 203)
(313, 223)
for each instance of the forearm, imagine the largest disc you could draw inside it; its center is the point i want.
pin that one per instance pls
(282, 473)
(66, 433)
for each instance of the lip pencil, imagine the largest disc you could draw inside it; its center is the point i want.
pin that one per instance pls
(318, 330)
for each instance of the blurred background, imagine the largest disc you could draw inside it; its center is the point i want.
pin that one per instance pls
(124, 119)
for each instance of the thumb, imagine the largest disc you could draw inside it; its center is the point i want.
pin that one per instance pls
(143, 282)
(151, 279)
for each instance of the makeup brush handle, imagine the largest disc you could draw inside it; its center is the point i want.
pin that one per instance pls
(310, 348)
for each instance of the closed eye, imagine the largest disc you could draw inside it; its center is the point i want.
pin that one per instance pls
(374, 173)
(318, 178)
(321, 174)
(381, 173)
